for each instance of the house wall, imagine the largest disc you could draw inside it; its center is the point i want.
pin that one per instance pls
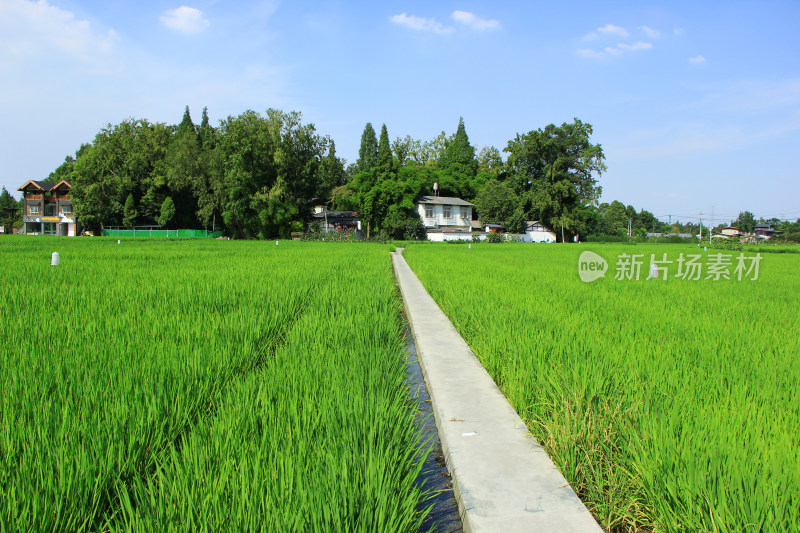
(540, 236)
(438, 236)
(54, 214)
(460, 215)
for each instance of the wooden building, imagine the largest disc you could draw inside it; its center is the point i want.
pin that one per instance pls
(47, 209)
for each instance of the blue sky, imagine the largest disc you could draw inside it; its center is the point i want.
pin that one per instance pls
(696, 104)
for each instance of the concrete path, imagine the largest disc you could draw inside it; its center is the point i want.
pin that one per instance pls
(503, 479)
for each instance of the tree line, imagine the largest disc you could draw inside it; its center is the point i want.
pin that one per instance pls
(258, 176)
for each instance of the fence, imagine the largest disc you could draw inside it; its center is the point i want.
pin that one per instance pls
(162, 233)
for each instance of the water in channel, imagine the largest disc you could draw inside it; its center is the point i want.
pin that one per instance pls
(443, 518)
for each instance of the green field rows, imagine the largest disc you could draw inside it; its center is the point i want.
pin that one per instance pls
(203, 386)
(669, 405)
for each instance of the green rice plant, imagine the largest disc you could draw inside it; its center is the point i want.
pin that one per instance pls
(668, 405)
(203, 386)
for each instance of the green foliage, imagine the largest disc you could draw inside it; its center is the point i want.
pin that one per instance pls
(725, 244)
(552, 170)
(253, 174)
(490, 163)
(459, 156)
(497, 203)
(495, 238)
(368, 151)
(615, 219)
(385, 163)
(268, 396)
(167, 215)
(331, 173)
(662, 411)
(746, 222)
(10, 212)
(129, 219)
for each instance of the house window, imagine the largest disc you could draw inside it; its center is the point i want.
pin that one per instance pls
(428, 211)
(33, 209)
(465, 213)
(66, 209)
(447, 211)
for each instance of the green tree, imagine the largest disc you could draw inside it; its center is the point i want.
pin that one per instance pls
(553, 171)
(9, 211)
(331, 173)
(746, 222)
(130, 214)
(405, 150)
(125, 158)
(498, 203)
(208, 187)
(183, 171)
(384, 151)
(489, 161)
(368, 151)
(167, 213)
(271, 170)
(458, 156)
(616, 219)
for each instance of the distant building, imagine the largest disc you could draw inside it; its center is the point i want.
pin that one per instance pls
(47, 209)
(494, 228)
(681, 235)
(730, 231)
(765, 231)
(535, 231)
(445, 218)
(335, 220)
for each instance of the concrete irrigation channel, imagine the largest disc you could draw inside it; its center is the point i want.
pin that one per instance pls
(503, 480)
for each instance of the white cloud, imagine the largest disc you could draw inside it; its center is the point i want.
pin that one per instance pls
(611, 29)
(37, 29)
(421, 24)
(474, 22)
(608, 29)
(650, 32)
(185, 19)
(677, 32)
(697, 60)
(639, 45)
(618, 50)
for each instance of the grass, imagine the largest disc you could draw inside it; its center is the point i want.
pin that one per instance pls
(203, 386)
(669, 405)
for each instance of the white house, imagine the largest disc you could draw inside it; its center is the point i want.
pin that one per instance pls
(445, 218)
(535, 231)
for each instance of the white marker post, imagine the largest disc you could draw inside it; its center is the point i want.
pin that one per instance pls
(54, 259)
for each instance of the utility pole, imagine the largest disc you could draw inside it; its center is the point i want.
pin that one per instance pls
(711, 231)
(701, 225)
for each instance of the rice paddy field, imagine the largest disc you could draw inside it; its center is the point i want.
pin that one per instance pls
(204, 386)
(669, 404)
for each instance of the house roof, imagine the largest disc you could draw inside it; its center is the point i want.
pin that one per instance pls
(442, 200)
(336, 215)
(44, 186)
(531, 224)
(493, 225)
